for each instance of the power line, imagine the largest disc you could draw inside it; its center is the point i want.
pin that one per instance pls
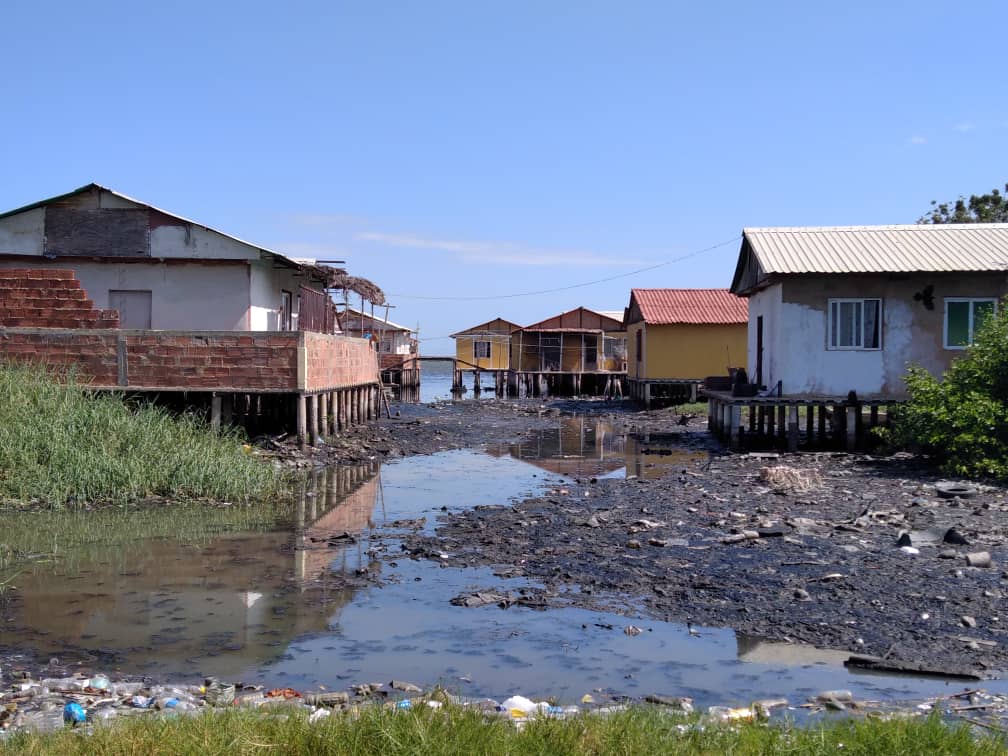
(577, 285)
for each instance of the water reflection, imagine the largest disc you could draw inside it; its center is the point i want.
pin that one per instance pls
(583, 447)
(214, 608)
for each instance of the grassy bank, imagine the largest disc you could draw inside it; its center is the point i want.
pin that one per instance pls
(421, 731)
(61, 445)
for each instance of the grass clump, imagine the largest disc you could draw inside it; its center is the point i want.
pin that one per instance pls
(638, 730)
(61, 444)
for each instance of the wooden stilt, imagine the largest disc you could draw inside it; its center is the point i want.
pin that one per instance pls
(302, 420)
(323, 403)
(313, 431)
(215, 412)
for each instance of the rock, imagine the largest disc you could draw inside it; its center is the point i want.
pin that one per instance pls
(948, 554)
(750, 535)
(801, 594)
(632, 630)
(405, 687)
(954, 537)
(904, 540)
(733, 538)
(968, 621)
(594, 522)
(481, 598)
(633, 543)
(660, 542)
(979, 559)
(771, 532)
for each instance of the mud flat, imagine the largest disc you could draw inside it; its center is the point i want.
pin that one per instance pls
(870, 555)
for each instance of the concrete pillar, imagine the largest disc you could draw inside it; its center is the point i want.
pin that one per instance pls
(215, 411)
(323, 402)
(852, 413)
(313, 430)
(734, 417)
(792, 428)
(302, 420)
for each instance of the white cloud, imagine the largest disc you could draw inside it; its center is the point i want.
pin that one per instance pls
(491, 252)
(918, 139)
(964, 126)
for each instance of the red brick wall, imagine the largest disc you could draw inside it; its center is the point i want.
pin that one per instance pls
(338, 361)
(48, 298)
(212, 360)
(91, 353)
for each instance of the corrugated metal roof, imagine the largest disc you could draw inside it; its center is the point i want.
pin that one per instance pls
(880, 249)
(690, 306)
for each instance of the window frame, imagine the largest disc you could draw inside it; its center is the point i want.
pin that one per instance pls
(972, 333)
(830, 347)
(489, 349)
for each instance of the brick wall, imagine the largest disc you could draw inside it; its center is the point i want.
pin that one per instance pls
(338, 361)
(197, 360)
(91, 353)
(212, 360)
(48, 298)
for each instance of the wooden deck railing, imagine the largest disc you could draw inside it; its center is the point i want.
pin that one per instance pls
(317, 312)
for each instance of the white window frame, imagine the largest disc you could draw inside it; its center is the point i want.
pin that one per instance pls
(829, 324)
(972, 333)
(489, 350)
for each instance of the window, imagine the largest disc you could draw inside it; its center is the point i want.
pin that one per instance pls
(481, 350)
(855, 324)
(963, 318)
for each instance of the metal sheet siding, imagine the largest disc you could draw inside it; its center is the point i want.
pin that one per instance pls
(881, 249)
(690, 306)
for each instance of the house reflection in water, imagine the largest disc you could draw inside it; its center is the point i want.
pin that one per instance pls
(219, 608)
(583, 447)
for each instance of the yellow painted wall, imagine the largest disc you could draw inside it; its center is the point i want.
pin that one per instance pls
(686, 351)
(499, 351)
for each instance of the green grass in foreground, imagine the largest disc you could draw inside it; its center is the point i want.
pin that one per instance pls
(640, 730)
(60, 444)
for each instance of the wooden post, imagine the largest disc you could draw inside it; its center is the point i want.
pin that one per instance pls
(313, 435)
(647, 396)
(873, 416)
(822, 423)
(324, 414)
(302, 420)
(792, 428)
(752, 415)
(770, 422)
(215, 412)
(782, 419)
(333, 420)
(809, 412)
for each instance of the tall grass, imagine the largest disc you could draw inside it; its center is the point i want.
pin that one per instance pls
(639, 730)
(61, 444)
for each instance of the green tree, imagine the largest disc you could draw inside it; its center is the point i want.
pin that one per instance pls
(962, 418)
(983, 208)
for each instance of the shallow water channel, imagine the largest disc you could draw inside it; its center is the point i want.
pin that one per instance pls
(279, 604)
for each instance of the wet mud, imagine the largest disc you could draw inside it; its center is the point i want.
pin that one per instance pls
(869, 555)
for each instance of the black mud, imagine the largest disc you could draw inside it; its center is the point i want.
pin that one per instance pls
(826, 569)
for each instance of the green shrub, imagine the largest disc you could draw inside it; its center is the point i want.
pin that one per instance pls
(962, 418)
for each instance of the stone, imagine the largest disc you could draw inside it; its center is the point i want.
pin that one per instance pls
(948, 554)
(750, 535)
(771, 532)
(801, 594)
(904, 540)
(954, 537)
(733, 538)
(633, 543)
(979, 559)
(968, 621)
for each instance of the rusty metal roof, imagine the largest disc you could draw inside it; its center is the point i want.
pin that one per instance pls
(689, 306)
(880, 249)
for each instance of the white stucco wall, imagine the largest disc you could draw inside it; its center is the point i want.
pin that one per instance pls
(266, 283)
(795, 325)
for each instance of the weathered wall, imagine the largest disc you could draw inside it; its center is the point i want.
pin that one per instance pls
(184, 296)
(499, 351)
(795, 330)
(684, 351)
(336, 361)
(265, 285)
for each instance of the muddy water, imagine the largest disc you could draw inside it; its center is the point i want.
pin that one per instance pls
(305, 605)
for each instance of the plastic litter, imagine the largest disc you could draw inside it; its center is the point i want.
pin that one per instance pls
(74, 714)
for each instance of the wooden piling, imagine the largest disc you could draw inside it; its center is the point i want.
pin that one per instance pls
(792, 428)
(313, 431)
(302, 420)
(215, 412)
(323, 402)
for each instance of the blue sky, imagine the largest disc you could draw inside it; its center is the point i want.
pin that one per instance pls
(479, 150)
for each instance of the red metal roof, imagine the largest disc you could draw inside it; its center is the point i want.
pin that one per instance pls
(693, 306)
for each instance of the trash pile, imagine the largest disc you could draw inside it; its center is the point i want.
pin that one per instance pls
(50, 703)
